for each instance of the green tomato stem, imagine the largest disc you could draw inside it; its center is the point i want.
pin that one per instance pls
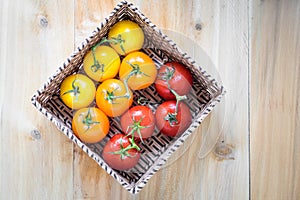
(123, 152)
(115, 41)
(136, 127)
(96, 66)
(88, 120)
(75, 90)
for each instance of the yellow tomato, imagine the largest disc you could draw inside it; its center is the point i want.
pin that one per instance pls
(138, 69)
(126, 36)
(77, 91)
(101, 63)
(90, 124)
(113, 98)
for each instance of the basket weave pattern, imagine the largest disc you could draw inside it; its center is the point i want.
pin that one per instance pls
(156, 150)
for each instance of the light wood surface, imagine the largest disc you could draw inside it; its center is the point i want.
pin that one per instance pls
(254, 48)
(35, 37)
(275, 100)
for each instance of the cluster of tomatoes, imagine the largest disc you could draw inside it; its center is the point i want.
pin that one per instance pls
(119, 55)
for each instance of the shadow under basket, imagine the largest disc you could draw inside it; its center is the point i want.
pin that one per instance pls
(156, 149)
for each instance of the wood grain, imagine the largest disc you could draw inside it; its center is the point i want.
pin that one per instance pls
(275, 100)
(32, 166)
(230, 39)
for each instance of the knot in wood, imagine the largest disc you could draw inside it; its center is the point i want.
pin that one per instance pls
(43, 21)
(35, 134)
(224, 151)
(198, 26)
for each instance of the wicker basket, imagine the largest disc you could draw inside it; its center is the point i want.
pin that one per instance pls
(156, 150)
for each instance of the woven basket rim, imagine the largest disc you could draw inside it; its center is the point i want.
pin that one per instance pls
(132, 188)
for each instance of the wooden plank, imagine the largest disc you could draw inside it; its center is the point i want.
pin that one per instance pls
(211, 25)
(275, 100)
(36, 36)
(221, 29)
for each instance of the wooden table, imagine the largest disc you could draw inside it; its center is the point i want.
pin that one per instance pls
(255, 46)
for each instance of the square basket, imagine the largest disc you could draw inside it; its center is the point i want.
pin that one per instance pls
(156, 149)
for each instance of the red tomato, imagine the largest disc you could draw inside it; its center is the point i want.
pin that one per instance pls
(179, 78)
(172, 124)
(138, 120)
(121, 152)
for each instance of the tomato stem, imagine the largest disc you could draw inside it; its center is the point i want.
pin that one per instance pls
(136, 127)
(88, 120)
(114, 41)
(168, 74)
(171, 118)
(136, 69)
(178, 98)
(123, 152)
(75, 90)
(96, 66)
(109, 96)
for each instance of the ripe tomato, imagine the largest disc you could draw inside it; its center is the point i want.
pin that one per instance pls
(90, 124)
(113, 98)
(101, 63)
(121, 152)
(178, 77)
(139, 69)
(138, 120)
(172, 124)
(126, 36)
(77, 91)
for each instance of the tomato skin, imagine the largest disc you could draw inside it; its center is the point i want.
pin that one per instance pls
(147, 70)
(117, 106)
(91, 131)
(114, 160)
(181, 81)
(141, 116)
(84, 91)
(184, 118)
(107, 66)
(130, 33)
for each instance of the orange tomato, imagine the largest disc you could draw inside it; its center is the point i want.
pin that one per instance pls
(90, 124)
(77, 91)
(126, 36)
(101, 63)
(138, 69)
(113, 98)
